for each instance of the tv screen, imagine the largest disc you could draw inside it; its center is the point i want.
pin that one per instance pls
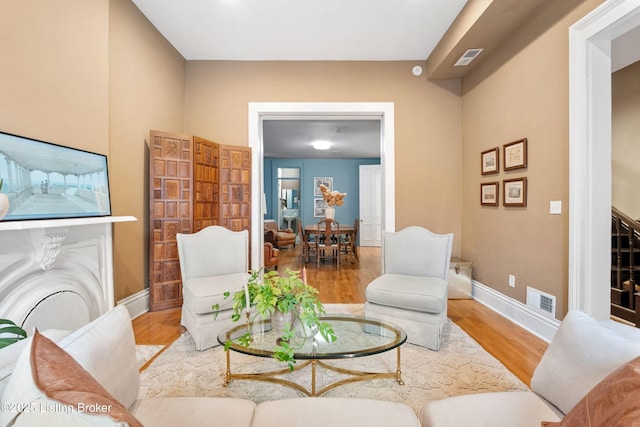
(44, 180)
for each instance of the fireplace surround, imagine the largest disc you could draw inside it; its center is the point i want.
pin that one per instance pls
(57, 273)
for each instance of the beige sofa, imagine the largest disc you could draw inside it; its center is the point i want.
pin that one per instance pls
(584, 357)
(105, 348)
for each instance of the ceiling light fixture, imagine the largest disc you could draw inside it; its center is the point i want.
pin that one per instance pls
(321, 145)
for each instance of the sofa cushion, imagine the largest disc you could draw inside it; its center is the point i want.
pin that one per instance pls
(194, 411)
(581, 354)
(48, 387)
(501, 409)
(201, 293)
(614, 401)
(424, 294)
(335, 412)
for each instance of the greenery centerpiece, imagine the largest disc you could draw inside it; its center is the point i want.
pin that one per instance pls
(10, 333)
(268, 293)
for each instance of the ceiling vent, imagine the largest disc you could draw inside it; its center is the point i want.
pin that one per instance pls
(467, 57)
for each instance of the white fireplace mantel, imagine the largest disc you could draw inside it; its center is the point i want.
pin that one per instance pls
(57, 273)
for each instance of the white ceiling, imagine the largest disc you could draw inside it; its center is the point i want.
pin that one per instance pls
(267, 30)
(259, 30)
(348, 138)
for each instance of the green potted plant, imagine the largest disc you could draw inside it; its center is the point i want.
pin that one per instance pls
(269, 295)
(10, 332)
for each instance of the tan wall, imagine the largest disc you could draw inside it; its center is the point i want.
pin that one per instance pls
(625, 154)
(146, 92)
(427, 121)
(522, 90)
(54, 77)
(93, 75)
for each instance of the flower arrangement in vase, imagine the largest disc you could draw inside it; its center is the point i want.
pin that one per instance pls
(270, 295)
(332, 198)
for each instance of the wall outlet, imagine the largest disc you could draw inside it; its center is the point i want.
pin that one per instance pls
(512, 280)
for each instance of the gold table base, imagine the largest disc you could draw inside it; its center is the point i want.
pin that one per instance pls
(356, 375)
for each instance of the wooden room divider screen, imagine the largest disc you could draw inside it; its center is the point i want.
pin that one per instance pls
(193, 183)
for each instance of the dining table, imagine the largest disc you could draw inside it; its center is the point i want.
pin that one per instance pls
(339, 231)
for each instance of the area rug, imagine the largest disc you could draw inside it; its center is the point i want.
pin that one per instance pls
(461, 366)
(144, 353)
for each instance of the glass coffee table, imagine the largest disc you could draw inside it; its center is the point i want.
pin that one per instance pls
(357, 337)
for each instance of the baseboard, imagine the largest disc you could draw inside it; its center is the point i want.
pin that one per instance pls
(534, 322)
(137, 303)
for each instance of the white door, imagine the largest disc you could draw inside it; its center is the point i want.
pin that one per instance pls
(370, 205)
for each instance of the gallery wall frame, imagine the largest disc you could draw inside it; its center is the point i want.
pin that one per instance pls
(515, 154)
(514, 192)
(490, 161)
(489, 193)
(45, 180)
(319, 205)
(318, 180)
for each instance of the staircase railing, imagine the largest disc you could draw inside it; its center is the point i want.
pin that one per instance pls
(625, 265)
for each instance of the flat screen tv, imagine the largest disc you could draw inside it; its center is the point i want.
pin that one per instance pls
(44, 180)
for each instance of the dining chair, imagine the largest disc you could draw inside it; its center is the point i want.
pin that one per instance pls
(305, 240)
(327, 244)
(349, 242)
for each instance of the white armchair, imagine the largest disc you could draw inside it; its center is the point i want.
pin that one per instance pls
(212, 261)
(412, 290)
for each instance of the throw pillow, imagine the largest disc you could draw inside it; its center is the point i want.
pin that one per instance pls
(582, 353)
(614, 402)
(48, 387)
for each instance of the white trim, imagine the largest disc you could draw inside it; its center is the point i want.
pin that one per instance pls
(137, 304)
(343, 110)
(590, 152)
(517, 312)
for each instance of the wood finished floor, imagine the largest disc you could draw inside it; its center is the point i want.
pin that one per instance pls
(517, 349)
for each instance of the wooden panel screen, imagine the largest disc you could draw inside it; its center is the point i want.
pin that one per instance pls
(171, 213)
(194, 183)
(205, 175)
(235, 187)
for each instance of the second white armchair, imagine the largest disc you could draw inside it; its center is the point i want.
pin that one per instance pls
(412, 290)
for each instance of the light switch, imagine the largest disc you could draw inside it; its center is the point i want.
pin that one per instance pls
(555, 207)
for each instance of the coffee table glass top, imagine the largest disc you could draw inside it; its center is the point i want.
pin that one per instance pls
(357, 337)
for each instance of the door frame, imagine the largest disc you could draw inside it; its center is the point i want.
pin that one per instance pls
(590, 152)
(259, 111)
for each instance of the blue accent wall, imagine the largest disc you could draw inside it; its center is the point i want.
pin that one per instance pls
(345, 174)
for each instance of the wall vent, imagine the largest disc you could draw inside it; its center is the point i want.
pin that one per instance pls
(541, 302)
(467, 57)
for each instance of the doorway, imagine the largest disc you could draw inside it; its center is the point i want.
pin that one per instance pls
(288, 197)
(590, 59)
(259, 111)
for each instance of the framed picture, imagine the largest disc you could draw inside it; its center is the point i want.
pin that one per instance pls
(490, 161)
(515, 155)
(489, 193)
(515, 192)
(319, 205)
(46, 181)
(327, 181)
